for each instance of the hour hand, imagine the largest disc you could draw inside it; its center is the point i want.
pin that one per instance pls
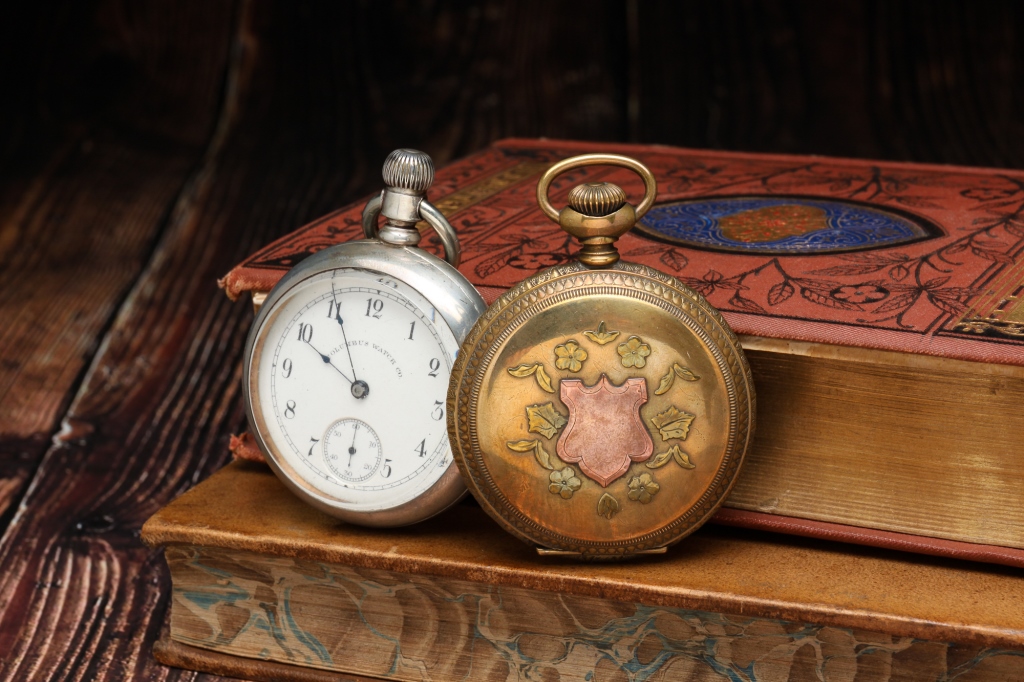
(360, 389)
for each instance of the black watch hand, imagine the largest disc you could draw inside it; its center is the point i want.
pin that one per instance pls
(344, 336)
(360, 389)
(352, 448)
(327, 361)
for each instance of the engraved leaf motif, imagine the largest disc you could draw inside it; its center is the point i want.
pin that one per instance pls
(673, 424)
(539, 453)
(674, 452)
(542, 456)
(543, 380)
(682, 459)
(685, 373)
(537, 369)
(660, 460)
(602, 335)
(677, 370)
(607, 506)
(523, 370)
(666, 383)
(544, 419)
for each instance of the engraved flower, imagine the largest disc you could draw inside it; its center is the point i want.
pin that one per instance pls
(634, 352)
(564, 482)
(642, 488)
(859, 293)
(570, 356)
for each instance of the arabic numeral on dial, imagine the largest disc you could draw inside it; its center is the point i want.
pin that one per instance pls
(438, 412)
(435, 365)
(385, 470)
(421, 449)
(289, 409)
(374, 307)
(305, 332)
(286, 368)
(314, 441)
(333, 310)
(412, 328)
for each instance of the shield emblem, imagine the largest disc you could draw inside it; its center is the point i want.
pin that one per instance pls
(605, 433)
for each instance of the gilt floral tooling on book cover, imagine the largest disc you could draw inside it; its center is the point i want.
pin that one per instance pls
(892, 256)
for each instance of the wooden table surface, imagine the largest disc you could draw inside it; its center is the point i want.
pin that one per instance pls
(147, 147)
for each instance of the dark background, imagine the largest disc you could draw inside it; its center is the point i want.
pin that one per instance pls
(146, 147)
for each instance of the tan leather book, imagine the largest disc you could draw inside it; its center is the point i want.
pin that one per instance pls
(879, 304)
(265, 587)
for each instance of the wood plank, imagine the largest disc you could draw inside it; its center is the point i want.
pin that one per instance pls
(81, 214)
(80, 597)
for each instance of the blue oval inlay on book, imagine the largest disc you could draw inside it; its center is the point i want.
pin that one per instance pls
(782, 225)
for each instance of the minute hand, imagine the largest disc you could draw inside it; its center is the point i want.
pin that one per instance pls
(344, 336)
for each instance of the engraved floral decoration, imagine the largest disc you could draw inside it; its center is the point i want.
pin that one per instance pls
(536, 447)
(601, 335)
(537, 370)
(673, 423)
(643, 488)
(607, 506)
(674, 452)
(570, 356)
(634, 352)
(684, 373)
(564, 482)
(544, 419)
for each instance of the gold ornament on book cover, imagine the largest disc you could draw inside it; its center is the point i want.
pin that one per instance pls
(600, 409)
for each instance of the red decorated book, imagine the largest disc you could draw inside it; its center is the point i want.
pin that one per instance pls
(879, 304)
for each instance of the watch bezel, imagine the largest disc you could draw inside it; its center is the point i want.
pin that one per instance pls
(455, 300)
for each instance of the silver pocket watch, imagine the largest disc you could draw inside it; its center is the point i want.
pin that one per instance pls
(347, 364)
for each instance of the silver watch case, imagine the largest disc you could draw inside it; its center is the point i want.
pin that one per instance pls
(454, 298)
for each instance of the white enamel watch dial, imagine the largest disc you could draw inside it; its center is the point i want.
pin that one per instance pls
(352, 376)
(347, 363)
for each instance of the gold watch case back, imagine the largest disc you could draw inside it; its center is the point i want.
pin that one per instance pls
(601, 411)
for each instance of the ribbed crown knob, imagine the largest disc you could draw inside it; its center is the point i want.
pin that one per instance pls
(597, 198)
(409, 169)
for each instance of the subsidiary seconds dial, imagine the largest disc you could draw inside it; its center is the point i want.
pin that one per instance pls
(352, 450)
(352, 379)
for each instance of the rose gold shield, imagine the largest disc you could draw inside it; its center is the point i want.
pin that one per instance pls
(604, 434)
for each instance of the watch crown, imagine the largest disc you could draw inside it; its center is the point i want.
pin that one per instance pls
(597, 198)
(409, 169)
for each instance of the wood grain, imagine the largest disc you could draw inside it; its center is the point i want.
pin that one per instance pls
(146, 148)
(79, 219)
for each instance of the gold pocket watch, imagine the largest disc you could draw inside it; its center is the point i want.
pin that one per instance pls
(600, 409)
(347, 364)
